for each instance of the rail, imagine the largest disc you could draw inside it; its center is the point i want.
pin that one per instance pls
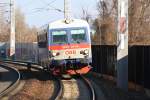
(90, 87)
(60, 90)
(14, 84)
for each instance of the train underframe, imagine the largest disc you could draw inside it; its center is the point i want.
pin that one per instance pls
(71, 67)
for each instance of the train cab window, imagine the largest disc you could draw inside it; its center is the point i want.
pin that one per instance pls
(78, 35)
(59, 37)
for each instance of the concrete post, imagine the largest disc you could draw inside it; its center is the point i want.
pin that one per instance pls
(122, 49)
(12, 29)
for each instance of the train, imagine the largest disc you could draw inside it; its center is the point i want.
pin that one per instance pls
(64, 47)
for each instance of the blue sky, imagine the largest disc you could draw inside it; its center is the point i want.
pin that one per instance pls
(34, 17)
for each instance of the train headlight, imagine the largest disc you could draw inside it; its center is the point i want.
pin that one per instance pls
(86, 52)
(55, 54)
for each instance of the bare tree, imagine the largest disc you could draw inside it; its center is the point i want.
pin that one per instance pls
(139, 22)
(23, 32)
(106, 22)
(86, 15)
(4, 35)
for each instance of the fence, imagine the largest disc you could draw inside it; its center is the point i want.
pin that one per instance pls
(104, 59)
(24, 51)
(139, 65)
(104, 62)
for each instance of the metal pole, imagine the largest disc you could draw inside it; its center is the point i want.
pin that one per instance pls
(67, 8)
(12, 29)
(1, 18)
(0, 23)
(122, 49)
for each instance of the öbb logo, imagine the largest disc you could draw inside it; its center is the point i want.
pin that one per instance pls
(70, 52)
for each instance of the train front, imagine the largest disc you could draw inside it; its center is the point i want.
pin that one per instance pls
(70, 48)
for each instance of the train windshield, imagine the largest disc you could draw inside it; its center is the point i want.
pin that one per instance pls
(78, 35)
(59, 37)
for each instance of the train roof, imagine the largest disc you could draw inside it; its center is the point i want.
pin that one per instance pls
(73, 23)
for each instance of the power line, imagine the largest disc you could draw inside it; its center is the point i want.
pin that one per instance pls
(46, 8)
(38, 10)
(4, 3)
(49, 5)
(4, 11)
(49, 2)
(25, 5)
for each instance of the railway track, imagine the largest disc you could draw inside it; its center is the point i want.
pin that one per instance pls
(58, 91)
(90, 86)
(12, 76)
(32, 82)
(77, 88)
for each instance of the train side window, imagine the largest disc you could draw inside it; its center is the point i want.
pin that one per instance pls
(42, 41)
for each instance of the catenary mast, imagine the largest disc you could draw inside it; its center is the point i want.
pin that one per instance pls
(12, 28)
(122, 41)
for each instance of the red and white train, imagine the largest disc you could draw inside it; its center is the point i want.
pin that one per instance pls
(65, 47)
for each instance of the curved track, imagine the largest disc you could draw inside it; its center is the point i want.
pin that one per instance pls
(58, 91)
(35, 67)
(9, 78)
(78, 88)
(89, 84)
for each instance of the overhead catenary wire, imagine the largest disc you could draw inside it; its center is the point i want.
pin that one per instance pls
(49, 2)
(4, 3)
(3, 8)
(47, 7)
(31, 2)
(39, 10)
(4, 12)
